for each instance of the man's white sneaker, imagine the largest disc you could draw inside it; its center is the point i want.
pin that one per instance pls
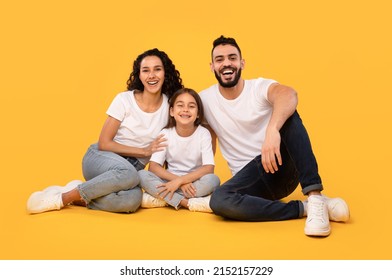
(68, 187)
(41, 201)
(200, 204)
(337, 209)
(148, 201)
(317, 222)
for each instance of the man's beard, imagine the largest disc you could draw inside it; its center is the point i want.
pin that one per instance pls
(231, 83)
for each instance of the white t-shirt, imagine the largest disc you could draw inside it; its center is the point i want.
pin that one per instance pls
(185, 154)
(138, 128)
(240, 124)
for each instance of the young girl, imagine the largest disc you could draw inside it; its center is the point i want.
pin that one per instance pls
(128, 138)
(189, 177)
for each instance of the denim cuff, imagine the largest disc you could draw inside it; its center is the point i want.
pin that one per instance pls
(315, 187)
(301, 209)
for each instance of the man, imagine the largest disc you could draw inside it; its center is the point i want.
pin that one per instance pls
(266, 146)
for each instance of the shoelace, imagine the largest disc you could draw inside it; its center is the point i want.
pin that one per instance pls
(316, 210)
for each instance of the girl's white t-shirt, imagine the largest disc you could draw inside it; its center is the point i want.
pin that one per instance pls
(185, 154)
(240, 124)
(138, 128)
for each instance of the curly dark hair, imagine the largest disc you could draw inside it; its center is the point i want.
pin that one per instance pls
(172, 82)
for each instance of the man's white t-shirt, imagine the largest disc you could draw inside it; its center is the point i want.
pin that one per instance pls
(239, 124)
(185, 154)
(138, 128)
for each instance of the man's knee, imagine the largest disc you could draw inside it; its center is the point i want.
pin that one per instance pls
(218, 201)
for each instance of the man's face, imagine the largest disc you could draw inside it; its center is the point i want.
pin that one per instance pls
(227, 65)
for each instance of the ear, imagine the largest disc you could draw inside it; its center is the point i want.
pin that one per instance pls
(171, 112)
(242, 63)
(212, 67)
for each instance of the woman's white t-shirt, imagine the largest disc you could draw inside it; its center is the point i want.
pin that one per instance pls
(138, 128)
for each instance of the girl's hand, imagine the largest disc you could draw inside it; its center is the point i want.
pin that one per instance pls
(188, 190)
(168, 188)
(155, 146)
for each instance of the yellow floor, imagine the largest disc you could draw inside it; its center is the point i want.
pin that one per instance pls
(79, 233)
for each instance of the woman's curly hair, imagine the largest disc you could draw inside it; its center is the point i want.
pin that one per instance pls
(172, 82)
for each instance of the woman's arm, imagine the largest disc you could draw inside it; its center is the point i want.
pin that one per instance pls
(106, 142)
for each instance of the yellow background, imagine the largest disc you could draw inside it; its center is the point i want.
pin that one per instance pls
(62, 62)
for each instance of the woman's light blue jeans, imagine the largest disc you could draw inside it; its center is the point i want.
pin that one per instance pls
(204, 186)
(112, 181)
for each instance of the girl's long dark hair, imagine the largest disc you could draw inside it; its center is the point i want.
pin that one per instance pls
(200, 110)
(172, 82)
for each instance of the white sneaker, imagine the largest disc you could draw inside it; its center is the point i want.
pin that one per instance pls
(317, 222)
(68, 187)
(337, 209)
(41, 201)
(200, 204)
(148, 201)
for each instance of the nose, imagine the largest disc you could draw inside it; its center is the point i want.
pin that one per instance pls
(226, 62)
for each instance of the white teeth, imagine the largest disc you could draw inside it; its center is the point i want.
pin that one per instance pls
(227, 72)
(152, 83)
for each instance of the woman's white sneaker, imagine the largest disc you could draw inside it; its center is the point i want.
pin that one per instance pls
(41, 201)
(68, 187)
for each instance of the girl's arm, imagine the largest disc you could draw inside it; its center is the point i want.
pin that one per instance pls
(106, 142)
(196, 174)
(161, 172)
(175, 182)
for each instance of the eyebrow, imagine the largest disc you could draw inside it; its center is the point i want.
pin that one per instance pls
(180, 101)
(155, 66)
(229, 55)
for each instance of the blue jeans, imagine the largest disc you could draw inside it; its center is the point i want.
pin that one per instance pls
(112, 181)
(254, 195)
(204, 186)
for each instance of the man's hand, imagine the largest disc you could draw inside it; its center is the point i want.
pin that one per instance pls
(270, 151)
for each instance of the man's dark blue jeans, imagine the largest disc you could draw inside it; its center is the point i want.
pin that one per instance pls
(254, 195)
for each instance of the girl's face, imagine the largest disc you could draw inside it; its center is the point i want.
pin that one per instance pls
(152, 74)
(184, 110)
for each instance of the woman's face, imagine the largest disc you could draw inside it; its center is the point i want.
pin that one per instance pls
(152, 74)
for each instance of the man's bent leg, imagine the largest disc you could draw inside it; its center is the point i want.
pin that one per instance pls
(251, 196)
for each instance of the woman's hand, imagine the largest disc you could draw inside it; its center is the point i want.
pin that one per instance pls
(155, 146)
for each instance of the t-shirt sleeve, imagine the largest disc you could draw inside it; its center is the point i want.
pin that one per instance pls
(206, 148)
(117, 108)
(263, 85)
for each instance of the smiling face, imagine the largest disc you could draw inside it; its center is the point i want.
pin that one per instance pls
(152, 74)
(184, 110)
(227, 65)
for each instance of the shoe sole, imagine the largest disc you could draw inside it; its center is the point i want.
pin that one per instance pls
(322, 233)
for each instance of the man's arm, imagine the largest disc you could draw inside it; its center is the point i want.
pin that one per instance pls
(284, 102)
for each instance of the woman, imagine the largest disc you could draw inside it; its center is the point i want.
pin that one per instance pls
(128, 138)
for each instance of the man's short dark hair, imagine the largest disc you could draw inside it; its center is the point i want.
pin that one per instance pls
(222, 40)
